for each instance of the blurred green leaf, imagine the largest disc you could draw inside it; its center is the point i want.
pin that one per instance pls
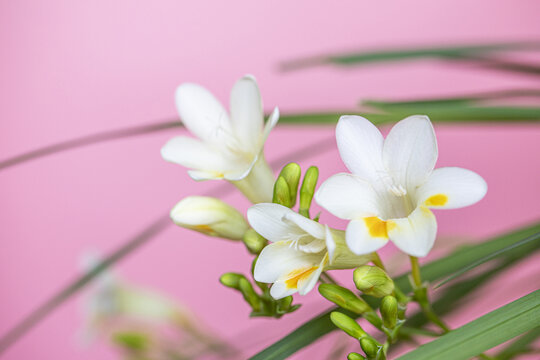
(445, 114)
(533, 239)
(483, 333)
(402, 54)
(519, 346)
(437, 269)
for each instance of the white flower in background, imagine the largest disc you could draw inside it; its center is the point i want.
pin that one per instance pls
(210, 216)
(228, 147)
(393, 185)
(300, 251)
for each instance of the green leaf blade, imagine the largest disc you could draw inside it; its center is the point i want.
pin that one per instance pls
(483, 333)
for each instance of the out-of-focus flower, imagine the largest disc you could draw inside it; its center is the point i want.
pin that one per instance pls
(300, 251)
(228, 147)
(210, 216)
(144, 323)
(393, 185)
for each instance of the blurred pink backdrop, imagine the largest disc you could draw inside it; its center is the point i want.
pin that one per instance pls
(71, 68)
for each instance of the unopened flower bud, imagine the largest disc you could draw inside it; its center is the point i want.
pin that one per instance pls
(282, 194)
(308, 189)
(284, 304)
(389, 311)
(132, 341)
(291, 175)
(344, 298)
(254, 242)
(347, 324)
(370, 347)
(210, 216)
(372, 280)
(249, 294)
(231, 280)
(355, 356)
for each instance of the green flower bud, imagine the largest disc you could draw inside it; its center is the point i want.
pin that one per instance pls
(372, 280)
(344, 298)
(284, 304)
(370, 347)
(347, 324)
(355, 356)
(282, 194)
(291, 175)
(254, 242)
(132, 341)
(249, 294)
(307, 190)
(389, 311)
(231, 280)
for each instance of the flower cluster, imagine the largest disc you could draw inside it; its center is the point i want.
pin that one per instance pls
(388, 195)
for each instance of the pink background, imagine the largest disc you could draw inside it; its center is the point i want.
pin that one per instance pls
(70, 68)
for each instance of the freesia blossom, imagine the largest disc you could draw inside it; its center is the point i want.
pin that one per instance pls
(228, 147)
(300, 251)
(393, 185)
(210, 216)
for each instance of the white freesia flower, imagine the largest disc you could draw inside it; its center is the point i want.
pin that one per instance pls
(228, 147)
(300, 251)
(393, 185)
(210, 216)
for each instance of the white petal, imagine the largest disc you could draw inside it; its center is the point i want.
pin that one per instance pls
(410, 151)
(451, 188)
(280, 290)
(311, 227)
(202, 113)
(195, 154)
(270, 123)
(279, 260)
(267, 220)
(348, 197)
(415, 234)
(307, 283)
(247, 112)
(330, 243)
(363, 238)
(360, 145)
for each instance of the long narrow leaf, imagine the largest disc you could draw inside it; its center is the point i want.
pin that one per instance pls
(435, 270)
(534, 239)
(483, 333)
(403, 54)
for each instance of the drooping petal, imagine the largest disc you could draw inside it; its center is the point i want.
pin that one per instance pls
(281, 261)
(202, 113)
(267, 220)
(195, 154)
(348, 197)
(280, 290)
(247, 112)
(364, 236)
(311, 227)
(270, 123)
(360, 145)
(451, 188)
(415, 234)
(410, 151)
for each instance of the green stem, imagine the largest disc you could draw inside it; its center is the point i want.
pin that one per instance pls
(421, 297)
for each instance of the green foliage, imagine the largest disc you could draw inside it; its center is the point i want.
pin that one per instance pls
(483, 333)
